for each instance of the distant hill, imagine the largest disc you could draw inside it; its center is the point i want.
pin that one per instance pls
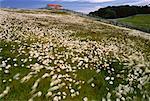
(111, 12)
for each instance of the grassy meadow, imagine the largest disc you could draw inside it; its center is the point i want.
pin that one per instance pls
(139, 21)
(48, 56)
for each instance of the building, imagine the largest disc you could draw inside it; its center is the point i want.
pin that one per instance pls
(54, 6)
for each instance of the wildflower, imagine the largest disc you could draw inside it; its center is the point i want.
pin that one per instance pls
(93, 85)
(53, 88)
(72, 90)
(111, 82)
(107, 78)
(85, 99)
(6, 71)
(49, 94)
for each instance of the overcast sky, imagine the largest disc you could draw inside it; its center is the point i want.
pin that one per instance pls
(77, 5)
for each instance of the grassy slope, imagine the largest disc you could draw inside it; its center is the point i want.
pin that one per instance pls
(141, 21)
(92, 31)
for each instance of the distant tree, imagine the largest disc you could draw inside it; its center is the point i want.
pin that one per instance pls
(120, 11)
(108, 13)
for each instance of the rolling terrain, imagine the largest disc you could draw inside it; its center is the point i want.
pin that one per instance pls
(54, 56)
(139, 21)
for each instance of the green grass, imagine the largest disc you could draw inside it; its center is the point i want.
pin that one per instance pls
(97, 93)
(105, 35)
(141, 21)
(17, 88)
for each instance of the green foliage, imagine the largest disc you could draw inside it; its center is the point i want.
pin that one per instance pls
(120, 11)
(108, 13)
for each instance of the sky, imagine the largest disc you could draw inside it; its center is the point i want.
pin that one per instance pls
(84, 6)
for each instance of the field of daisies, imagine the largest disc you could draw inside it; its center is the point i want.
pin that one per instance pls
(58, 56)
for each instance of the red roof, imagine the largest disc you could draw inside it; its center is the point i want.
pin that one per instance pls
(54, 5)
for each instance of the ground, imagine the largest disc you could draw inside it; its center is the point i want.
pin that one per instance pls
(57, 56)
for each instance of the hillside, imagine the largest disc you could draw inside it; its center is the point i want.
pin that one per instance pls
(140, 21)
(49, 55)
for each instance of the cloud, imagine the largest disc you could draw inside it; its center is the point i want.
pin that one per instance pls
(91, 1)
(142, 2)
(87, 10)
